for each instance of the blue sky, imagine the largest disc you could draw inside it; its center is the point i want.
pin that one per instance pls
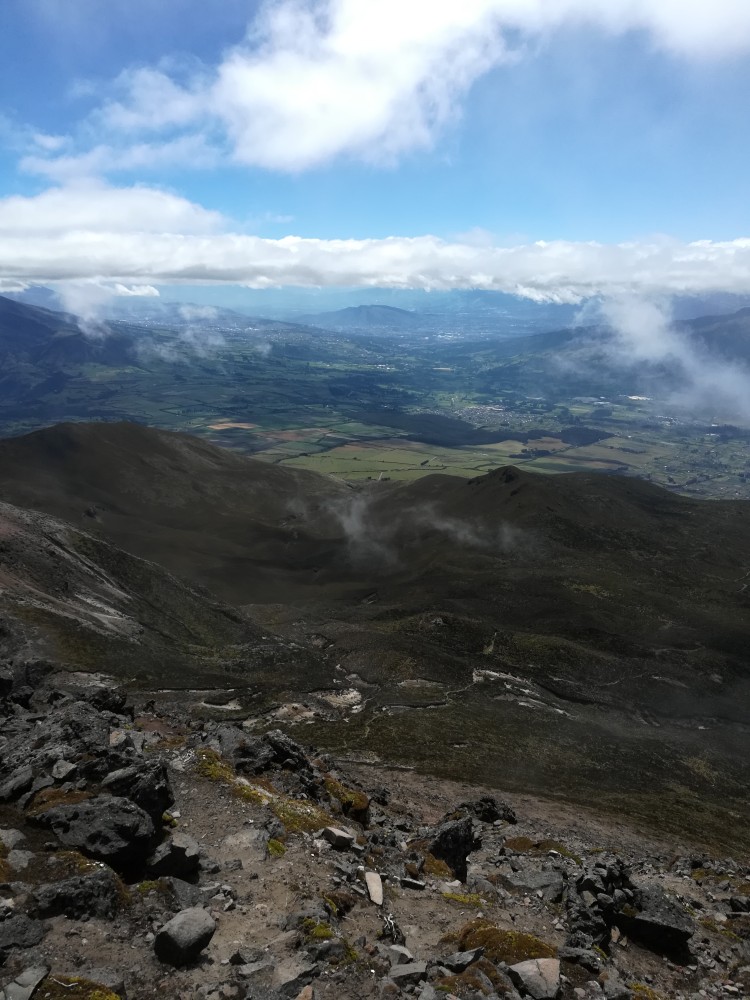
(466, 133)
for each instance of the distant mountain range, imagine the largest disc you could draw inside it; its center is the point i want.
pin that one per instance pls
(367, 317)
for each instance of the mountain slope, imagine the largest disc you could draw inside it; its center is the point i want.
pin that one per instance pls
(581, 636)
(76, 600)
(227, 522)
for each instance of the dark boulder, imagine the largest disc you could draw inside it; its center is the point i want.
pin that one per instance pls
(286, 751)
(106, 828)
(20, 931)
(453, 842)
(147, 784)
(488, 810)
(95, 894)
(657, 920)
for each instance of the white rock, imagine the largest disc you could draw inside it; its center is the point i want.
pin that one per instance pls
(539, 977)
(374, 885)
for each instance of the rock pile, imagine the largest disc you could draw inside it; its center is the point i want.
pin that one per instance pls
(140, 852)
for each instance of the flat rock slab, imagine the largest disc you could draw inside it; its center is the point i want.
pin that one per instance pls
(412, 973)
(374, 885)
(549, 883)
(183, 938)
(339, 838)
(539, 977)
(23, 986)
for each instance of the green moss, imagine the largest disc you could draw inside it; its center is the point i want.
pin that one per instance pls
(317, 930)
(520, 844)
(339, 902)
(353, 802)
(465, 899)
(210, 764)
(350, 953)
(436, 867)
(300, 816)
(297, 815)
(157, 885)
(67, 987)
(643, 992)
(276, 849)
(500, 945)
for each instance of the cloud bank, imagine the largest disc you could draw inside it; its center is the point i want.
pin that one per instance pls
(142, 236)
(318, 79)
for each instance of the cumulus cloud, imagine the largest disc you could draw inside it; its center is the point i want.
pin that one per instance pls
(318, 79)
(141, 236)
(90, 208)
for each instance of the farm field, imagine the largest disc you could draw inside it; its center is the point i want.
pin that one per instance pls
(388, 407)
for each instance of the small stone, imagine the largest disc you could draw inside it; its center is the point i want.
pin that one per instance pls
(461, 960)
(182, 939)
(413, 883)
(63, 770)
(11, 838)
(400, 955)
(18, 860)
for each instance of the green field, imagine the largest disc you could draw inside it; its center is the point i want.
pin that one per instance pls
(359, 408)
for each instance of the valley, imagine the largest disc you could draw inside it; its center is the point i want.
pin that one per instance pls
(390, 404)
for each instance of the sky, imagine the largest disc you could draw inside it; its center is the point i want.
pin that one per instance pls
(554, 149)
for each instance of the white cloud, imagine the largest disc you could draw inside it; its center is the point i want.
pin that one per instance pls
(80, 210)
(192, 150)
(50, 143)
(318, 79)
(87, 298)
(643, 332)
(141, 235)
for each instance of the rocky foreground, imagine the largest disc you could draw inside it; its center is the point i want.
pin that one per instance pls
(146, 854)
